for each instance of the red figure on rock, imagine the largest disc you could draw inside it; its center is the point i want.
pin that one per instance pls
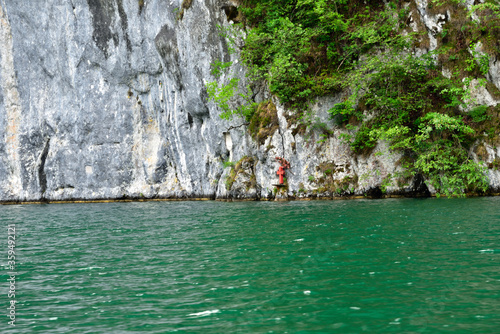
(281, 171)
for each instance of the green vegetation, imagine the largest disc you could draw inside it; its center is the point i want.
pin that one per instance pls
(223, 94)
(219, 67)
(244, 167)
(305, 49)
(386, 182)
(302, 48)
(263, 121)
(228, 164)
(479, 114)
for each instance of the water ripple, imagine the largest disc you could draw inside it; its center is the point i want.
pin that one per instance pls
(383, 266)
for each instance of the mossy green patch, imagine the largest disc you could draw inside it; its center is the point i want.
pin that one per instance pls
(241, 168)
(264, 122)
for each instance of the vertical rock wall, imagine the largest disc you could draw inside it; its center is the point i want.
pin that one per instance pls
(106, 99)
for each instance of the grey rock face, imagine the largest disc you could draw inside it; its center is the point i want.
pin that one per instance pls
(106, 99)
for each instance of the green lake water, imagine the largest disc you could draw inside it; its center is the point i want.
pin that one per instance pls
(374, 266)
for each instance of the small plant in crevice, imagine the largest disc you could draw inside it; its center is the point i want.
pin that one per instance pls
(481, 61)
(231, 34)
(386, 182)
(240, 168)
(218, 67)
(228, 164)
(495, 164)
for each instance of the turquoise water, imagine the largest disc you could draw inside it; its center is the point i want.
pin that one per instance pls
(374, 266)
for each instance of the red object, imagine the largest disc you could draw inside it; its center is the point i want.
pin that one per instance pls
(281, 173)
(284, 165)
(283, 162)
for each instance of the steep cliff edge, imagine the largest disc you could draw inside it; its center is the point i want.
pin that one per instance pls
(107, 99)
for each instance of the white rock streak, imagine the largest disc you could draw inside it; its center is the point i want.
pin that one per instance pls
(11, 101)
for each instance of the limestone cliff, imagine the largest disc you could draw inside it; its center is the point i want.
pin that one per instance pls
(106, 99)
